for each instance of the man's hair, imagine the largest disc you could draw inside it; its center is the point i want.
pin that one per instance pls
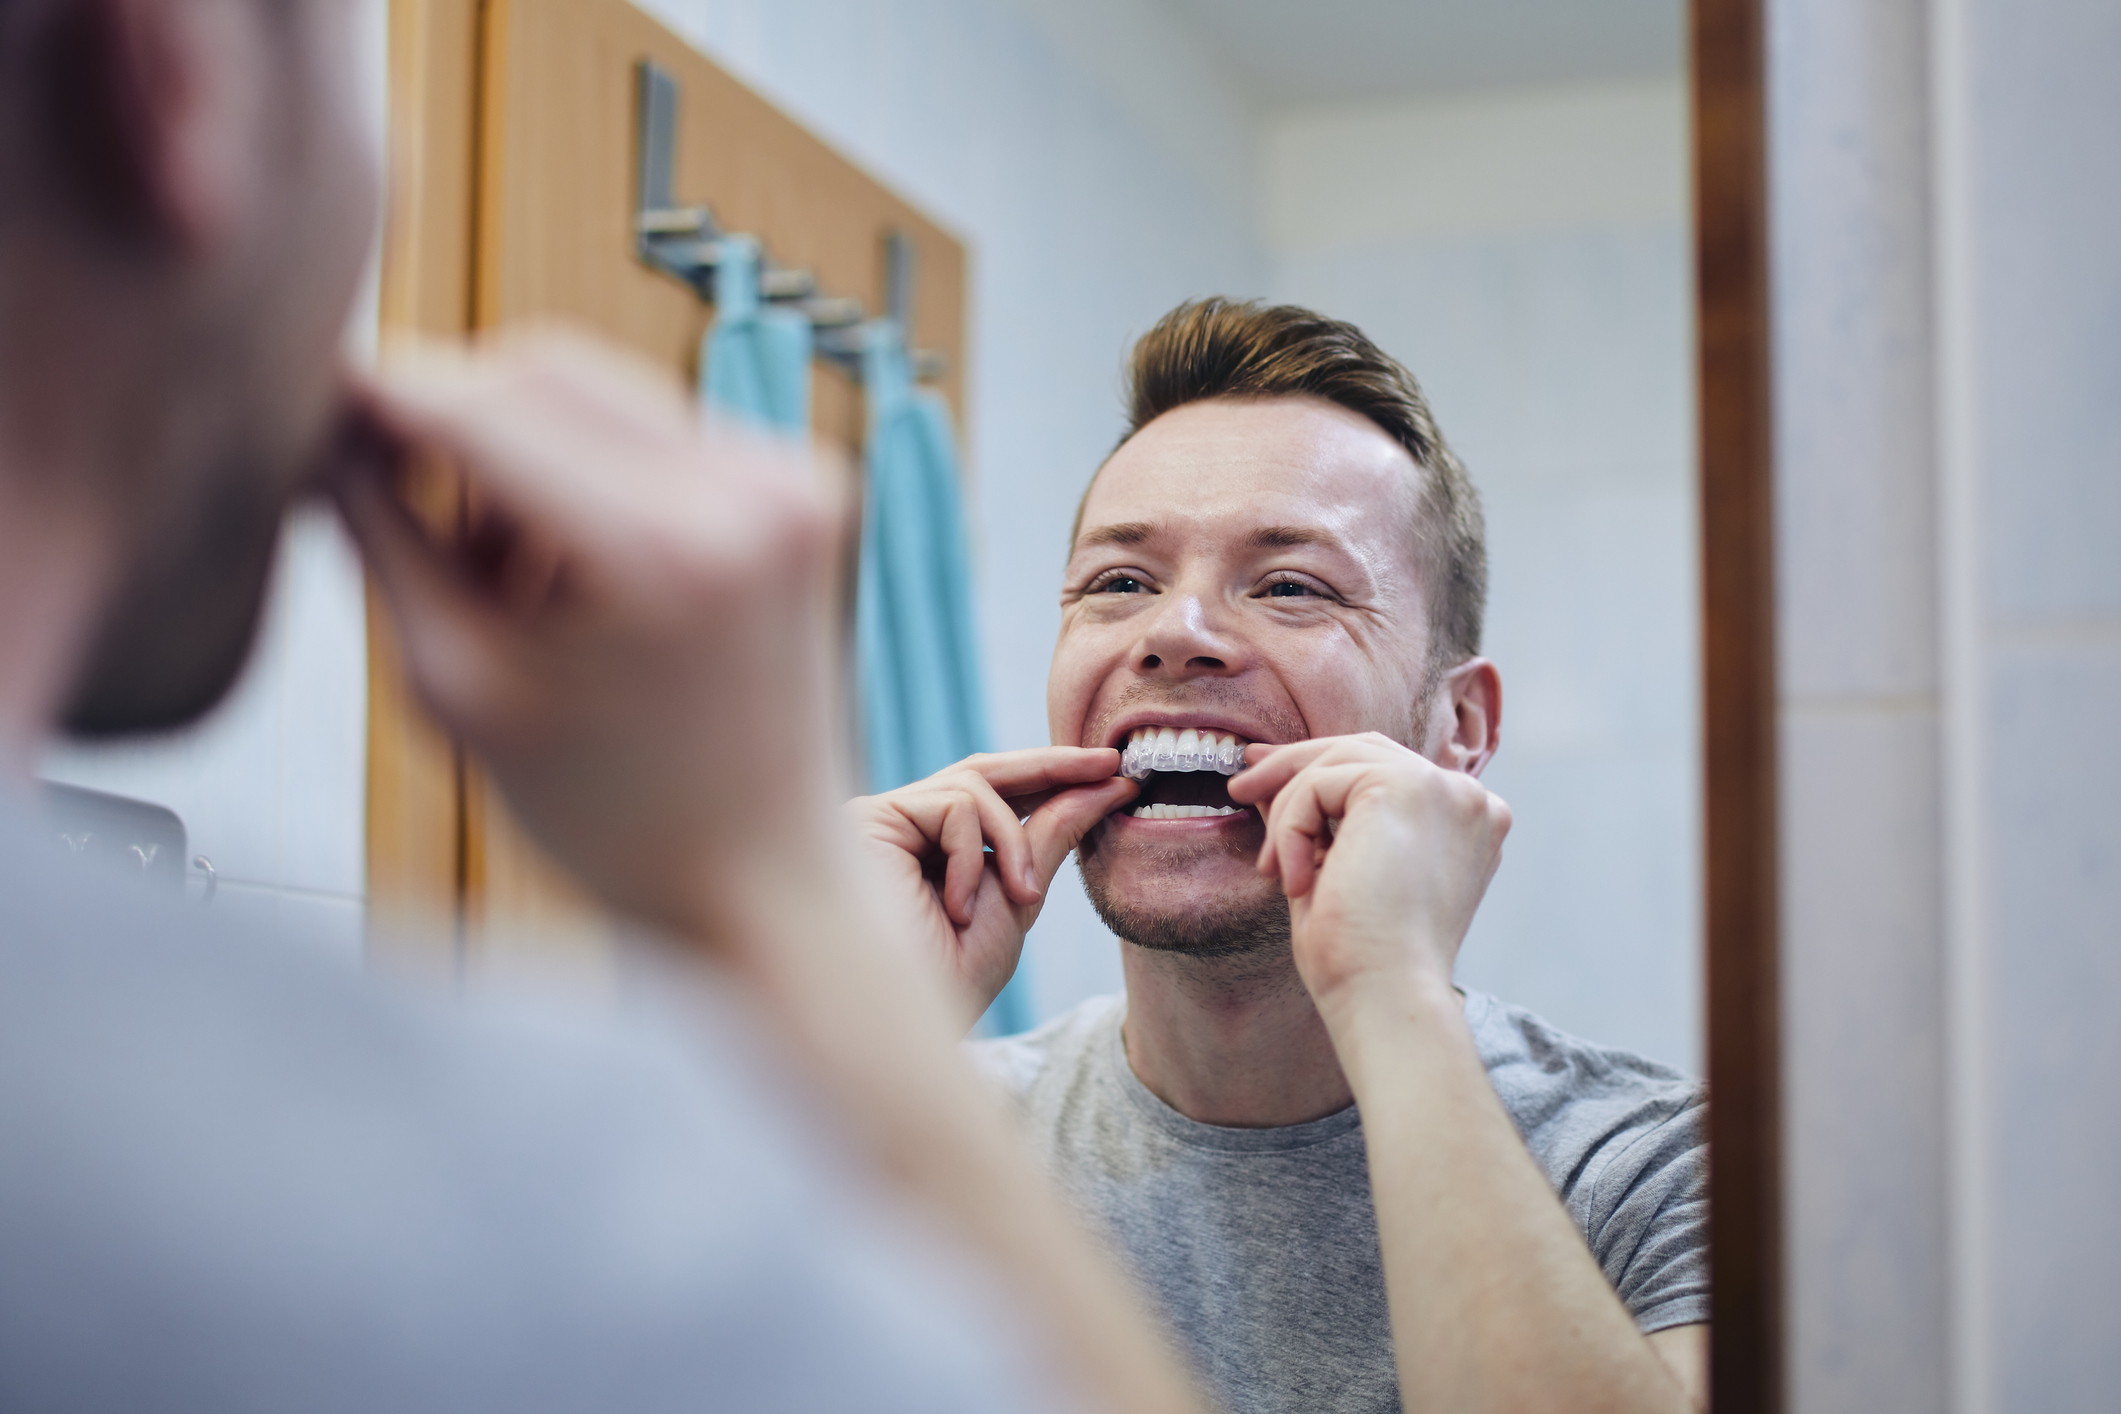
(1222, 348)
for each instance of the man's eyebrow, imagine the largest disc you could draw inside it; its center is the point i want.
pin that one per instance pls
(1280, 537)
(1132, 532)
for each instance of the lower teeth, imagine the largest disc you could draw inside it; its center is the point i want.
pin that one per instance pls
(1184, 812)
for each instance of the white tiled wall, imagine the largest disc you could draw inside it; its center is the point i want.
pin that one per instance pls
(1948, 327)
(1525, 254)
(2031, 298)
(1856, 569)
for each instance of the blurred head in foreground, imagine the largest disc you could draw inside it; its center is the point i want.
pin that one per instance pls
(187, 197)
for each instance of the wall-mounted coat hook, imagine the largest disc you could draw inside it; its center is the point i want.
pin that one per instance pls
(677, 240)
(683, 242)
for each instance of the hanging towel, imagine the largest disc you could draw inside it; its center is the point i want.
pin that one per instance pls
(922, 706)
(755, 360)
(913, 615)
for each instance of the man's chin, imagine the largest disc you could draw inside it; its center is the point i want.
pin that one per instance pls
(131, 688)
(176, 638)
(1204, 903)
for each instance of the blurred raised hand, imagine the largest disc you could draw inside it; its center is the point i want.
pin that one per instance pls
(629, 627)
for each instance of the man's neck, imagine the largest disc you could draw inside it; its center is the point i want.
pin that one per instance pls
(1230, 1040)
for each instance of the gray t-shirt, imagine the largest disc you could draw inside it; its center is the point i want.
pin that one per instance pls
(1260, 1245)
(238, 1177)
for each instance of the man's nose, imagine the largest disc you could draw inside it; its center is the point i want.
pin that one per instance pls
(1183, 640)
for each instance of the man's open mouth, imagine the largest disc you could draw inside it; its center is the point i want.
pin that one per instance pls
(1184, 772)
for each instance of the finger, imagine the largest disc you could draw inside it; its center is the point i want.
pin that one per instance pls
(1257, 782)
(1497, 819)
(445, 632)
(1059, 825)
(1299, 825)
(1036, 769)
(966, 802)
(1262, 777)
(1012, 851)
(528, 418)
(515, 445)
(966, 861)
(1263, 784)
(439, 388)
(521, 566)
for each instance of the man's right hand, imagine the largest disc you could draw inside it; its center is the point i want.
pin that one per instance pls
(931, 840)
(629, 629)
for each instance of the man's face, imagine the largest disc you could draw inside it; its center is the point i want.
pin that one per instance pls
(1243, 567)
(233, 417)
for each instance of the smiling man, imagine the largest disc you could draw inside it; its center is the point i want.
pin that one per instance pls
(1350, 1186)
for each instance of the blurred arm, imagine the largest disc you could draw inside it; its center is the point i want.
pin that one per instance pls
(633, 635)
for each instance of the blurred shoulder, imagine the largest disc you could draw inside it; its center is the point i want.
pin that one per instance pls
(239, 1159)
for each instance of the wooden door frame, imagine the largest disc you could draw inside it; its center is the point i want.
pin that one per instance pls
(1741, 876)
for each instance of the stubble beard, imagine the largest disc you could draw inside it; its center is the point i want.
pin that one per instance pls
(1256, 927)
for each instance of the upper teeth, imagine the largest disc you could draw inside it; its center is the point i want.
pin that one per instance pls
(1171, 749)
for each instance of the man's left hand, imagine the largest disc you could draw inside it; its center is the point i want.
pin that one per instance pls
(1383, 854)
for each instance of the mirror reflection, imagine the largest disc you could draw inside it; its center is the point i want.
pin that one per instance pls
(1257, 708)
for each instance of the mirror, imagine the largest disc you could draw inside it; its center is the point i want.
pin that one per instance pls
(1496, 197)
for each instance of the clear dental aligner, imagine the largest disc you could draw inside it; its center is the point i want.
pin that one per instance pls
(1167, 749)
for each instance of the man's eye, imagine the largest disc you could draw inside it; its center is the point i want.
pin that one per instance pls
(1288, 589)
(1118, 584)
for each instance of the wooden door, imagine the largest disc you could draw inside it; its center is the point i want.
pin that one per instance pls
(514, 171)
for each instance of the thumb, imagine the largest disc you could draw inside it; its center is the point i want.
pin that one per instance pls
(1059, 825)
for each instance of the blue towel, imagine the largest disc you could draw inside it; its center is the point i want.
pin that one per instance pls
(755, 360)
(922, 705)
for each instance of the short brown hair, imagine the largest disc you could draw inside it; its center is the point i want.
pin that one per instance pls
(1223, 348)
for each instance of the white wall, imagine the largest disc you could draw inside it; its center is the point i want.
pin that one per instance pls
(1526, 254)
(1856, 565)
(2029, 311)
(1947, 314)
(1100, 167)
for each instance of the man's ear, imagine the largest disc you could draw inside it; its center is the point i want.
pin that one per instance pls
(154, 109)
(1466, 717)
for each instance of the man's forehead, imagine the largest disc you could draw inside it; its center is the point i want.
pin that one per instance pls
(1266, 473)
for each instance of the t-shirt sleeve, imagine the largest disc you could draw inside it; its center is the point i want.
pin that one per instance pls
(1650, 1220)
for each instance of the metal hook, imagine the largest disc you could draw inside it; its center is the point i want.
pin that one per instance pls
(684, 242)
